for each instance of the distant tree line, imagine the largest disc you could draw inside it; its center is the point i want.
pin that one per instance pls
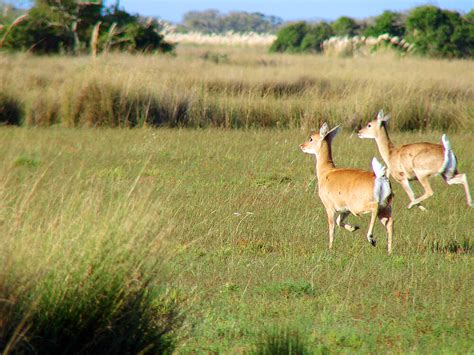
(73, 26)
(212, 21)
(432, 31)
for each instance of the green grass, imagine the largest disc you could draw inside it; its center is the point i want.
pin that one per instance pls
(226, 225)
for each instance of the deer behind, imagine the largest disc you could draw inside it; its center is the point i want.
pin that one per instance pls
(417, 161)
(344, 191)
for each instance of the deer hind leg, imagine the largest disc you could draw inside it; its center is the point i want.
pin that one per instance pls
(332, 226)
(340, 222)
(411, 195)
(462, 179)
(424, 181)
(385, 217)
(370, 235)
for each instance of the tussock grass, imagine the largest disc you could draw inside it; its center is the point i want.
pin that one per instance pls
(81, 261)
(10, 109)
(282, 342)
(228, 87)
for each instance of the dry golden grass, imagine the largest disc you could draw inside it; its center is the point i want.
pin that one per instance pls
(232, 87)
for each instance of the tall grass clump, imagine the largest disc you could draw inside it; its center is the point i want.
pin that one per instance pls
(282, 342)
(82, 268)
(11, 110)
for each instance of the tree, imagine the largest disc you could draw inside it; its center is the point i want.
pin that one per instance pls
(53, 26)
(439, 33)
(345, 26)
(202, 21)
(389, 22)
(211, 21)
(316, 35)
(290, 37)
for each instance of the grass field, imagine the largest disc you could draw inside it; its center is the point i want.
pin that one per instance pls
(225, 226)
(230, 87)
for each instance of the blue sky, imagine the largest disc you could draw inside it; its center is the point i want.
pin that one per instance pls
(173, 10)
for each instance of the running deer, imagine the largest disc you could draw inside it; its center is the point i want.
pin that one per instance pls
(344, 191)
(417, 161)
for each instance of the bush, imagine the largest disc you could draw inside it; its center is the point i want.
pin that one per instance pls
(315, 37)
(68, 28)
(345, 26)
(290, 37)
(440, 33)
(37, 35)
(144, 38)
(389, 22)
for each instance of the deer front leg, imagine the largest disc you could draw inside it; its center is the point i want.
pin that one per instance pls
(428, 191)
(411, 195)
(340, 222)
(370, 235)
(331, 224)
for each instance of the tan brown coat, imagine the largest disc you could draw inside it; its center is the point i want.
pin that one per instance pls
(344, 191)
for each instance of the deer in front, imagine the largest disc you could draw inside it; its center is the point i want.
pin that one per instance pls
(344, 191)
(416, 161)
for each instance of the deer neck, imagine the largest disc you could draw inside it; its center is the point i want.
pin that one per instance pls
(385, 145)
(324, 161)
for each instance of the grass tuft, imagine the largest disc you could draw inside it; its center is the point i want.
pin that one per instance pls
(282, 342)
(11, 110)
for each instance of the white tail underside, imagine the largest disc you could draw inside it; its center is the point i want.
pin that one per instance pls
(449, 165)
(382, 189)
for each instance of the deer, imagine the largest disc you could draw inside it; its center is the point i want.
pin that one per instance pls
(416, 161)
(345, 191)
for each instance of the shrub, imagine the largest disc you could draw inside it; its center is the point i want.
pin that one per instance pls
(68, 27)
(145, 38)
(315, 37)
(439, 33)
(345, 26)
(389, 22)
(290, 37)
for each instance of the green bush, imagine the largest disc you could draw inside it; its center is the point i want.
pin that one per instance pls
(50, 28)
(315, 37)
(290, 37)
(440, 33)
(389, 22)
(144, 38)
(345, 26)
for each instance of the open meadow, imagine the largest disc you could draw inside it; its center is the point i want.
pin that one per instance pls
(200, 238)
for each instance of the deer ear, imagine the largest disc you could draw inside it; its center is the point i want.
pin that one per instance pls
(333, 132)
(381, 118)
(324, 130)
(380, 115)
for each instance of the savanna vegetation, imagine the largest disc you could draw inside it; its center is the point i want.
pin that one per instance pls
(229, 88)
(134, 218)
(75, 27)
(431, 31)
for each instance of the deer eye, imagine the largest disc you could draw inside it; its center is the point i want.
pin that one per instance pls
(369, 125)
(310, 139)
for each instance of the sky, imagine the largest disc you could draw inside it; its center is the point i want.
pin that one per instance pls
(173, 10)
